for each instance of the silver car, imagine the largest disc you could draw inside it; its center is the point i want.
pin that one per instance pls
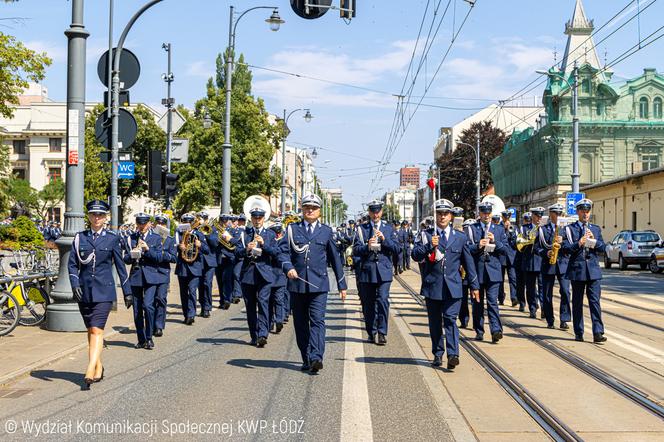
(631, 247)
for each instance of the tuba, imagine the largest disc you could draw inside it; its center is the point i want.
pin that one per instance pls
(253, 202)
(190, 252)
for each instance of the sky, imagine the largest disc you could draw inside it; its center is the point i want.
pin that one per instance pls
(494, 55)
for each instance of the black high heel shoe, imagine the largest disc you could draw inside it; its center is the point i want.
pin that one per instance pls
(99, 378)
(87, 383)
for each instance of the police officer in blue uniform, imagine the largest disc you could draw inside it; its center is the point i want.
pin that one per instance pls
(531, 262)
(305, 252)
(406, 239)
(583, 242)
(443, 251)
(551, 272)
(375, 245)
(144, 252)
(396, 257)
(189, 273)
(239, 260)
(464, 310)
(94, 253)
(169, 256)
(225, 262)
(257, 247)
(209, 267)
(509, 254)
(277, 292)
(486, 243)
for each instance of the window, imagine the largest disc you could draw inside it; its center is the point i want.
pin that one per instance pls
(645, 237)
(621, 239)
(54, 173)
(600, 108)
(586, 169)
(657, 107)
(643, 107)
(585, 86)
(54, 214)
(19, 147)
(19, 173)
(55, 144)
(649, 158)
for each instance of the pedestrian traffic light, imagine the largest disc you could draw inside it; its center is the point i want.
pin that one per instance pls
(170, 184)
(347, 8)
(310, 9)
(154, 174)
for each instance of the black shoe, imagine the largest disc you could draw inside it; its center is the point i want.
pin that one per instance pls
(225, 306)
(479, 337)
(279, 327)
(158, 333)
(533, 315)
(205, 314)
(371, 339)
(86, 384)
(437, 361)
(286, 319)
(501, 302)
(550, 326)
(149, 345)
(139, 345)
(514, 303)
(316, 366)
(464, 325)
(452, 362)
(495, 337)
(305, 367)
(522, 308)
(381, 339)
(252, 342)
(260, 343)
(542, 314)
(236, 300)
(578, 338)
(564, 326)
(598, 337)
(95, 380)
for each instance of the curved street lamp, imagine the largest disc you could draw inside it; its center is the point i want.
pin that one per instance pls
(307, 117)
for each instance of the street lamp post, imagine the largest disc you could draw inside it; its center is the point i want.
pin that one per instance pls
(275, 22)
(63, 313)
(478, 191)
(286, 132)
(168, 77)
(574, 87)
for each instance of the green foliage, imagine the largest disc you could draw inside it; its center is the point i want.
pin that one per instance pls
(22, 195)
(98, 174)
(18, 66)
(390, 212)
(50, 196)
(21, 234)
(5, 201)
(457, 179)
(339, 208)
(253, 138)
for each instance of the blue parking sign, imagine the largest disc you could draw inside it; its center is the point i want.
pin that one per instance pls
(126, 170)
(512, 211)
(571, 199)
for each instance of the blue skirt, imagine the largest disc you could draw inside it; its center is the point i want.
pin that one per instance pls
(95, 314)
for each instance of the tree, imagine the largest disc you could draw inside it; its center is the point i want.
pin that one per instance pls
(19, 65)
(50, 196)
(339, 209)
(457, 183)
(98, 174)
(5, 201)
(23, 197)
(390, 212)
(253, 138)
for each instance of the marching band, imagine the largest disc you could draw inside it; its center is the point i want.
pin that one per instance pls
(280, 267)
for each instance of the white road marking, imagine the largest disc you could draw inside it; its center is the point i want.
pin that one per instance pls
(355, 409)
(636, 347)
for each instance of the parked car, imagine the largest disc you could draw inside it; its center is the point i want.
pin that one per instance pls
(631, 247)
(656, 264)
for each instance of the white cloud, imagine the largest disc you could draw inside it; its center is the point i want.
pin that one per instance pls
(200, 69)
(57, 52)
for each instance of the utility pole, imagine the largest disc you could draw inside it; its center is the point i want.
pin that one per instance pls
(575, 130)
(283, 167)
(477, 179)
(63, 313)
(169, 102)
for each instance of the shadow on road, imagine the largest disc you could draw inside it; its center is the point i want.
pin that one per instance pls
(262, 363)
(219, 341)
(49, 375)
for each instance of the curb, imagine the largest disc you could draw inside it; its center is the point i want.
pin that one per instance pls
(16, 374)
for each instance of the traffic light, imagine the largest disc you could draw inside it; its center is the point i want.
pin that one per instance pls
(310, 9)
(154, 174)
(170, 184)
(347, 8)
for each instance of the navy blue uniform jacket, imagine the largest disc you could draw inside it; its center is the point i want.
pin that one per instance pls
(583, 265)
(261, 266)
(375, 267)
(147, 267)
(542, 247)
(488, 266)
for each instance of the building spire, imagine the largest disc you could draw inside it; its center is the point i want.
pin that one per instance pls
(580, 45)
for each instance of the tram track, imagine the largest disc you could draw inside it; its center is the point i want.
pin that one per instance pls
(620, 386)
(545, 418)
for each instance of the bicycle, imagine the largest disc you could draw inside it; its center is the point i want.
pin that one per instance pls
(28, 295)
(9, 313)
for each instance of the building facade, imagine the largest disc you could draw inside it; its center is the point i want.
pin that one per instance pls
(621, 129)
(403, 199)
(409, 176)
(300, 177)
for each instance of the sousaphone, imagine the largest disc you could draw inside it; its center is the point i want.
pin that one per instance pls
(256, 201)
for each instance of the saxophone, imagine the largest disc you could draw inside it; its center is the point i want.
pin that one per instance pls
(555, 247)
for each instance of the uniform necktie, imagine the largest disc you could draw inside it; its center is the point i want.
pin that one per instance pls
(310, 229)
(95, 235)
(443, 238)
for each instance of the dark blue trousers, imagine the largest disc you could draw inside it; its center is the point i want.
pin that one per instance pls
(205, 289)
(464, 314)
(548, 281)
(521, 287)
(593, 291)
(257, 301)
(237, 286)
(376, 306)
(224, 273)
(144, 310)
(160, 304)
(288, 304)
(406, 256)
(443, 313)
(188, 287)
(531, 291)
(511, 280)
(309, 322)
(277, 307)
(489, 291)
(540, 288)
